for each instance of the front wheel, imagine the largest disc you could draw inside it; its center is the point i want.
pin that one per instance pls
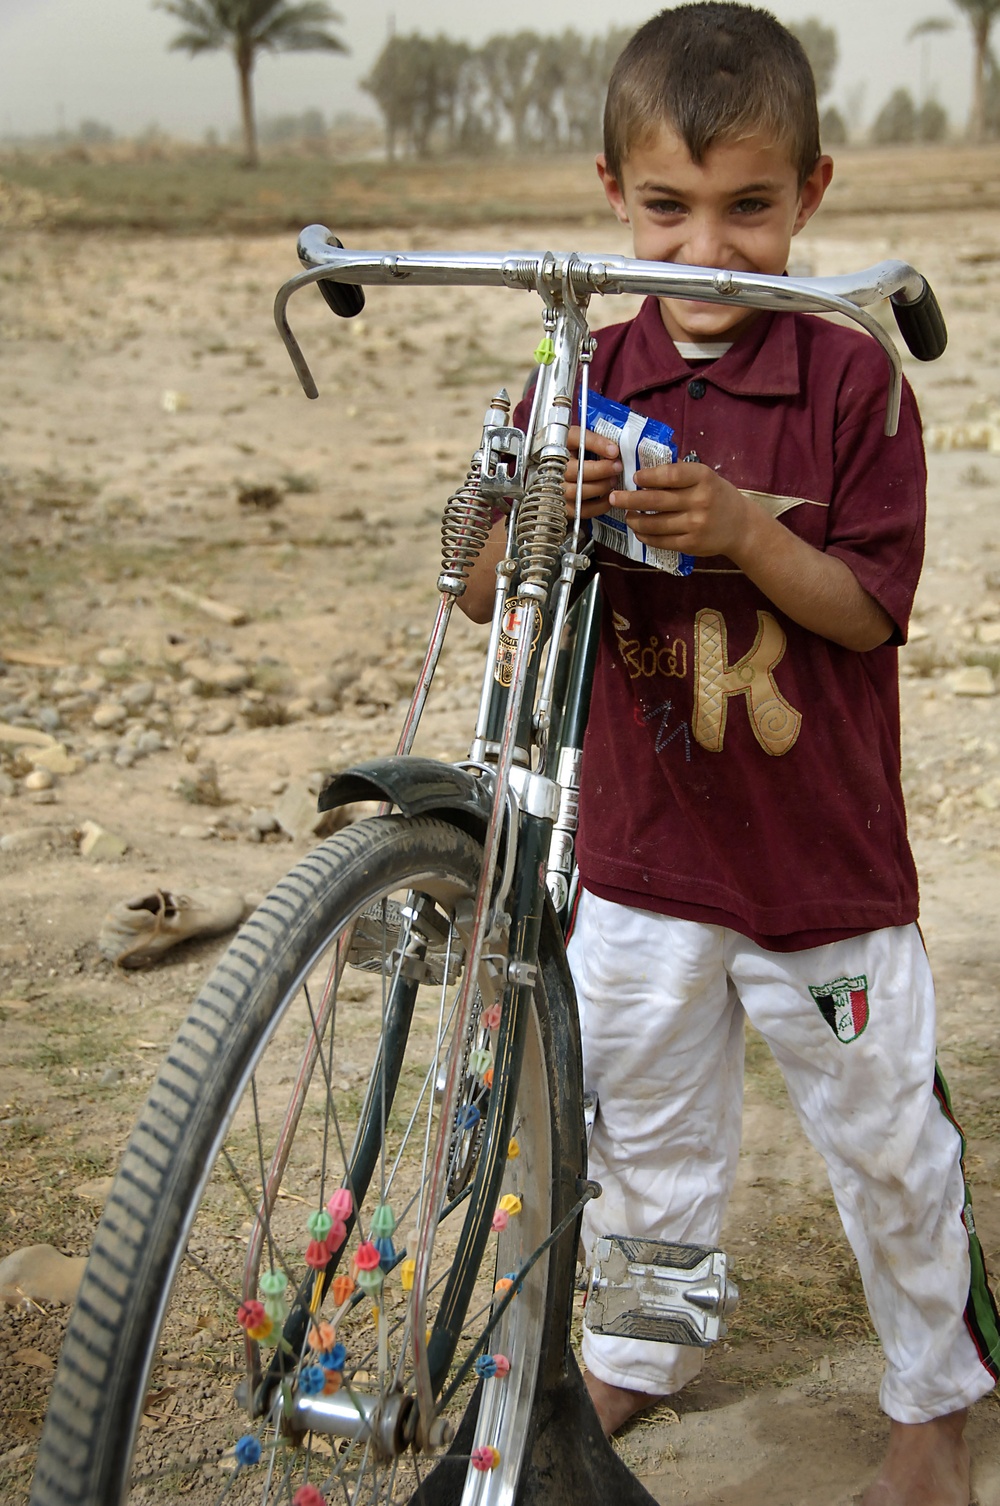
(244, 1327)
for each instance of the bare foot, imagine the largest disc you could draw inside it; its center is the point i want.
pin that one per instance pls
(614, 1405)
(926, 1464)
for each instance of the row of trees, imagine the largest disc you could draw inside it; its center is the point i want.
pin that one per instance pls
(536, 92)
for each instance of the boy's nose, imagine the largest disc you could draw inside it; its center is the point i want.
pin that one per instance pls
(707, 245)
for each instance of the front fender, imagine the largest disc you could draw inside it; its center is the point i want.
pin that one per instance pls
(418, 786)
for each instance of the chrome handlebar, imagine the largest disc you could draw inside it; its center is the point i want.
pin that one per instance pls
(569, 278)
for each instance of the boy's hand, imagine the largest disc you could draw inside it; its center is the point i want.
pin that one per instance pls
(599, 476)
(686, 506)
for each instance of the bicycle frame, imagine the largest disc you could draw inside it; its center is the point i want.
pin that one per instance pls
(520, 783)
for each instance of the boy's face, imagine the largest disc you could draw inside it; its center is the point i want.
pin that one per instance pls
(738, 209)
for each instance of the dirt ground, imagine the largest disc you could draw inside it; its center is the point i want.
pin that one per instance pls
(152, 436)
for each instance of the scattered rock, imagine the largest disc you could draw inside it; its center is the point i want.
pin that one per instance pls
(44, 797)
(8, 786)
(112, 658)
(40, 1273)
(192, 833)
(25, 737)
(100, 845)
(219, 723)
(298, 707)
(149, 742)
(229, 676)
(138, 695)
(56, 759)
(39, 779)
(975, 680)
(27, 839)
(109, 714)
(264, 822)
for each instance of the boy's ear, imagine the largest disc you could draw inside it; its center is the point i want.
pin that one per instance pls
(812, 191)
(612, 189)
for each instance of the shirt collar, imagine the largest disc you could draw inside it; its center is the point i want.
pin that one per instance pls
(763, 362)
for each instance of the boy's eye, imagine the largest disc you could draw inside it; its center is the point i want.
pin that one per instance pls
(750, 206)
(665, 206)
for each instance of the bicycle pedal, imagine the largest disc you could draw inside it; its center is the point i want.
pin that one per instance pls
(666, 1293)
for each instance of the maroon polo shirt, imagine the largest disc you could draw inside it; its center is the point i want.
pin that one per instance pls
(739, 769)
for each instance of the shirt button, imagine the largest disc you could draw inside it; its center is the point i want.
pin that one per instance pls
(697, 388)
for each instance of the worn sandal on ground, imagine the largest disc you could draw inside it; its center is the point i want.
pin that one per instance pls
(136, 932)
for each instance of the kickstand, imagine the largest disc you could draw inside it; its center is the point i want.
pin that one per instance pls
(569, 1461)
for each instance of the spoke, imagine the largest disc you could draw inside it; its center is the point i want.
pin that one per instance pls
(263, 1173)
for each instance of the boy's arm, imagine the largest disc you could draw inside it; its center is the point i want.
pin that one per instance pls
(476, 601)
(691, 508)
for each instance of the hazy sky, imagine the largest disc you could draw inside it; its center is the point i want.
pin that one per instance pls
(64, 60)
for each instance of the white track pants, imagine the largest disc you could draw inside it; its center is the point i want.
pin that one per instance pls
(662, 1003)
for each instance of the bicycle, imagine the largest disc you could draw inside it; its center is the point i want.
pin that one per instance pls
(396, 1264)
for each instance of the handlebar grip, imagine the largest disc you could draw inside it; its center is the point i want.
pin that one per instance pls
(345, 298)
(921, 324)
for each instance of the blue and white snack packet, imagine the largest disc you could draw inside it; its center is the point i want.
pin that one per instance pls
(641, 442)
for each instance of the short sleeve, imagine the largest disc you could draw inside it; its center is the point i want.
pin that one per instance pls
(878, 506)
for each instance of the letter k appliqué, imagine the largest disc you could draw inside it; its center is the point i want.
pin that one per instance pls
(775, 722)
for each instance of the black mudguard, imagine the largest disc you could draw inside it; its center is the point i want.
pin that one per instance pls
(418, 787)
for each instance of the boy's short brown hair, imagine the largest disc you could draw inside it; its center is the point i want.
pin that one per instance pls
(714, 71)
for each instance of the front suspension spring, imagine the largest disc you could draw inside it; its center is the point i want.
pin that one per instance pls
(465, 527)
(541, 523)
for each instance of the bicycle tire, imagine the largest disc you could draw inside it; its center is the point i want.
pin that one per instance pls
(124, 1355)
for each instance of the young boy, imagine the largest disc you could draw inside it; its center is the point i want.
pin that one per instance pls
(742, 843)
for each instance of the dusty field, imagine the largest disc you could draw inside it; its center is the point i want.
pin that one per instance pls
(143, 393)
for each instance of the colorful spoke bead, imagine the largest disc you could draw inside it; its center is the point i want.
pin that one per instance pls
(487, 1366)
(407, 1272)
(485, 1458)
(273, 1283)
(261, 1330)
(336, 1236)
(333, 1382)
(248, 1450)
(467, 1117)
(503, 1286)
(480, 1060)
(251, 1314)
(545, 351)
(334, 1358)
(275, 1309)
(501, 1219)
(342, 1288)
(502, 1364)
(371, 1281)
(383, 1222)
(340, 1205)
(319, 1223)
(386, 1252)
(490, 1018)
(322, 1336)
(312, 1379)
(513, 1150)
(511, 1203)
(488, 1077)
(317, 1254)
(308, 1495)
(366, 1257)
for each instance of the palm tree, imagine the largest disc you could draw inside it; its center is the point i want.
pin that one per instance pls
(981, 14)
(246, 27)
